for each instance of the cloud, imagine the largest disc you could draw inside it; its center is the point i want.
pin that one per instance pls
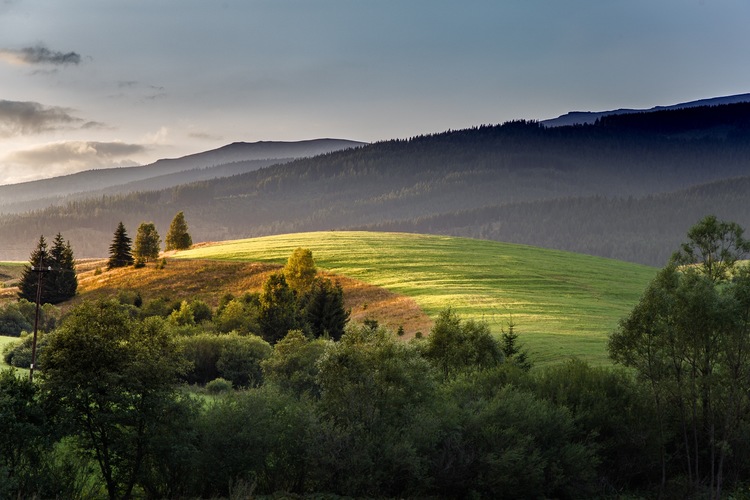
(205, 136)
(67, 157)
(39, 54)
(22, 118)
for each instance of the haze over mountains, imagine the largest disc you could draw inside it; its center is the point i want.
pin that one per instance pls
(235, 158)
(627, 186)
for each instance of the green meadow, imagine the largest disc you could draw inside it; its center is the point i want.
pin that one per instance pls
(562, 304)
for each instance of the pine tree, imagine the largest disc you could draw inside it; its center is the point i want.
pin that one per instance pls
(60, 283)
(178, 237)
(120, 254)
(147, 243)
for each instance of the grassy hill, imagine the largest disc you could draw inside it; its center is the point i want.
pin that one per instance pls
(562, 304)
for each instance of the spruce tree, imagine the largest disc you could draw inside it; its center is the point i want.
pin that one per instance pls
(60, 283)
(178, 237)
(120, 254)
(29, 278)
(323, 309)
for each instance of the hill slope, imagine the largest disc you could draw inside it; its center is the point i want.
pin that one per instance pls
(563, 304)
(452, 173)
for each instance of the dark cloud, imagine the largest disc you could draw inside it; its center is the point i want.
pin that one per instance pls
(24, 118)
(40, 54)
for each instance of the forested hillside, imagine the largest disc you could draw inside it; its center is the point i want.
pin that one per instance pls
(595, 189)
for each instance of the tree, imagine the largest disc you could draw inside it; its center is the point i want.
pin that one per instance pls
(715, 246)
(512, 351)
(689, 340)
(120, 254)
(323, 309)
(455, 346)
(24, 437)
(278, 312)
(300, 270)
(60, 282)
(27, 287)
(112, 377)
(147, 243)
(178, 237)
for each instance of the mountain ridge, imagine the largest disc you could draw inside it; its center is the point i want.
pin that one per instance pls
(590, 117)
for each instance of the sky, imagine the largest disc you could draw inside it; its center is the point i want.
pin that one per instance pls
(90, 83)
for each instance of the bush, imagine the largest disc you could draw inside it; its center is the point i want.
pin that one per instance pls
(234, 357)
(218, 386)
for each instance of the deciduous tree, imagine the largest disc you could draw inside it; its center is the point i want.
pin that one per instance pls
(112, 377)
(300, 270)
(689, 341)
(178, 237)
(147, 243)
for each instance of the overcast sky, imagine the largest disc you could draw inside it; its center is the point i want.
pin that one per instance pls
(92, 83)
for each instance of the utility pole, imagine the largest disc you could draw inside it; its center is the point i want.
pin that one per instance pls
(40, 270)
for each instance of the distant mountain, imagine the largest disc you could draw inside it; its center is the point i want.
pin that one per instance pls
(242, 156)
(596, 189)
(590, 117)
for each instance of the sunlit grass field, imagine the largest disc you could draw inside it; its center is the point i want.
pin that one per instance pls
(562, 304)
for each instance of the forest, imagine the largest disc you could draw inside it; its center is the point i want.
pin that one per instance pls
(279, 394)
(559, 187)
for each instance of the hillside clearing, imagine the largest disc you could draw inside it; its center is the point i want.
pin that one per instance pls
(562, 304)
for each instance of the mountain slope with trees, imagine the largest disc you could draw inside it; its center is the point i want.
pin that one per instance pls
(619, 161)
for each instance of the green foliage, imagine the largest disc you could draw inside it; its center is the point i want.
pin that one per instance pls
(18, 317)
(218, 386)
(147, 243)
(24, 438)
(178, 237)
(300, 270)
(59, 280)
(120, 252)
(715, 246)
(322, 308)
(171, 467)
(112, 377)
(184, 316)
(609, 407)
(12, 321)
(257, 436)
(454, 346)
(293, 365)
(239, 315)
(373, 392)
(512, 445)
(240, 359)
(512, 351)
(233, 357)
(278, 312)
(162, 307)
(61, 284)
(688, 339)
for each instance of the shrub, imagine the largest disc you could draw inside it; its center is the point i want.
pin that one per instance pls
(218, 386)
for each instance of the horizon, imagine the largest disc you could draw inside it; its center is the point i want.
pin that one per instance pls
(90, 86)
